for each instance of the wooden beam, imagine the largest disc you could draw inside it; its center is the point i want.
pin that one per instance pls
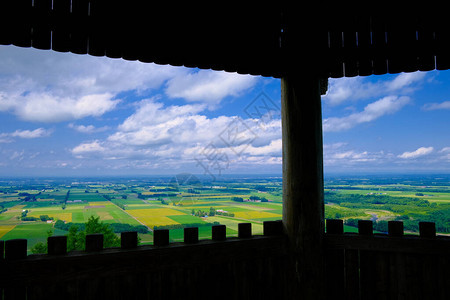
(303, 208)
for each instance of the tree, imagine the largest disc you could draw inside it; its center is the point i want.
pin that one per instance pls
(212, 212)
(76, 239)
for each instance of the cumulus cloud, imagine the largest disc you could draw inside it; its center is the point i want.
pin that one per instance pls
(373, 111)
(44, 86)
(417, 153)
(358, 88)
(208, 87)
(88, 147)
(87, 128)
(31, 134)
(437, 106)
(45, 107)
(181, 133)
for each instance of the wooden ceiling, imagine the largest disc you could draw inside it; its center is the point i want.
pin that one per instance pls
(265, 39)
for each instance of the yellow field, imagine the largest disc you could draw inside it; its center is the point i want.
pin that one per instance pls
(155, 217)
(152, 221)
(4, 229)
(250, 215)
(155, 212)
(58, 216)
(148, 193)
(100, 203)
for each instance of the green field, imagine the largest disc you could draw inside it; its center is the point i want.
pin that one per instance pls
(30, 210)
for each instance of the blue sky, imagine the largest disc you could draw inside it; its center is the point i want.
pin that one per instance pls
(65, 114)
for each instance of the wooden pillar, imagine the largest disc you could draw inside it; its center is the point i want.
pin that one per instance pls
(303, 208)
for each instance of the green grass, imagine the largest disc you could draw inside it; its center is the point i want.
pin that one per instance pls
(187, 219)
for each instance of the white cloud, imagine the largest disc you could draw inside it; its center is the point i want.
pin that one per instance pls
(45, 86)
(417, 153)
(31, 134)
(373, 111)
(437, 106)
(358, 88)
(87, 128)
(45, 107)
(208, 86)
(406, 81)
(163, 135)
(88, 147)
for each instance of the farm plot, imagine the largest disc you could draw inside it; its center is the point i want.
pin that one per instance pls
(4, 229)
(155, 217)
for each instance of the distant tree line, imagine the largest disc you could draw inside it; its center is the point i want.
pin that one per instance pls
(116, 227)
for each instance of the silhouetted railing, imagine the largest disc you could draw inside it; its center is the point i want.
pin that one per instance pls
(358, 266)
(386, 266)
(246, 267)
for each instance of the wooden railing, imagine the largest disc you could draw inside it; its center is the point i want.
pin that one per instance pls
(358, 266)
(386, 266)
(246, 267)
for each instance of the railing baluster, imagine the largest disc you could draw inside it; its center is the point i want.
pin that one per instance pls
(57, 245)
(365, 227)
(161, 237)
(273, 228)
(245, 230)
(94, 242)
(395, 228)
(427, 229)
(191, 235)
(219, 232)
(128, 239)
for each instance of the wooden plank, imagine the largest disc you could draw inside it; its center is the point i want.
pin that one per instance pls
(379, 44)
(351, 274)
(367, 277)
(97, 28)
(78, 27)
(405, 244)
(335, 273)
(61, 27)
(20, 20)
(364, 53)
(41, 27)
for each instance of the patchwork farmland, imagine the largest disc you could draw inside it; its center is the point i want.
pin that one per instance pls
(35, 210)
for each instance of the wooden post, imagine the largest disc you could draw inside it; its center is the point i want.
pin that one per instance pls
(161, 237)
(191, 235)
(128, 239)
(244, 230)
(16, 249)
(303, 207)
(57, 245)
(219, 232)
(273, 228)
